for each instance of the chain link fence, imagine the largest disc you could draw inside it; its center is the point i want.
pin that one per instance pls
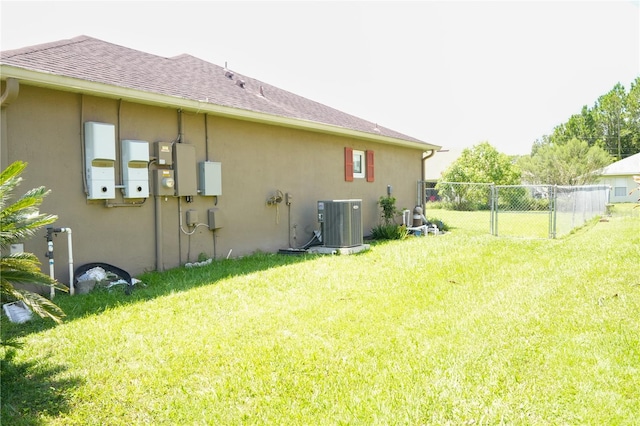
(576, 205)
(528, 211)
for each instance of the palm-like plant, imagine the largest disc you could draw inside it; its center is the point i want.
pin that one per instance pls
(18, 222)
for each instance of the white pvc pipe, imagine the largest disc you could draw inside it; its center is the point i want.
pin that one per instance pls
(51, 262)
(51, 268)
(70, 248)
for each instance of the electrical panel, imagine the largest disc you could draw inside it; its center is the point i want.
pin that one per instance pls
(210, 178)
(215, 219)
(100, 158)
(164, 182)
(135, 173)
(192, 217)
(163, 152)
(184, 165)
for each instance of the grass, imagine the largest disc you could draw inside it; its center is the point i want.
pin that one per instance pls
(521, 224)
(455, 329)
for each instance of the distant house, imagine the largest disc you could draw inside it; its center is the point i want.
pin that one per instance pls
(619, 176)
(154, 162)
(437, 166)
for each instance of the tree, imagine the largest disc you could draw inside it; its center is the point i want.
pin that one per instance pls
(610, 116)
(19, 221)
(633, 116)
(572, 163)
(581, 126)
(482, 164)
(479, 164)
(613, 123)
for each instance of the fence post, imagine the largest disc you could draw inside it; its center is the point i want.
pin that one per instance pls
(553, 211)
(494, 210)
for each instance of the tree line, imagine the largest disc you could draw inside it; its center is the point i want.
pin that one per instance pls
(613, 124)
(587, 142)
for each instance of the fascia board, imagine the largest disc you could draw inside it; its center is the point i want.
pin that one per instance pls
(70, 84)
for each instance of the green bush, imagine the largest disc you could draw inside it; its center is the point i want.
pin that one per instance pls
(439, 223)
(389, 232)
(389, 210)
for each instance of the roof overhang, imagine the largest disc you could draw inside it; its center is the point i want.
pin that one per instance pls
(75, 85)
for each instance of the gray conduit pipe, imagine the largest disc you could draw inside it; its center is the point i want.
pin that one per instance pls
(158, 218)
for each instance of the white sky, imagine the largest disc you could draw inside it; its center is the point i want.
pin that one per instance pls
(451, 73)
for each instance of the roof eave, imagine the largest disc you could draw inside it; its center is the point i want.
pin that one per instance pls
(70, 84)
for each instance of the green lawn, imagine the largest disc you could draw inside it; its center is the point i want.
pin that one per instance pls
(520, 224)
(456, 329)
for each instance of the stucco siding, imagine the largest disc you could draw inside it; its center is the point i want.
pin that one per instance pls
(44, 128)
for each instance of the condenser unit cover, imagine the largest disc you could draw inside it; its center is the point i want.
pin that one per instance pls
(342, 222)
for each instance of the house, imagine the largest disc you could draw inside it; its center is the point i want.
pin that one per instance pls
(619, 176)
(154, 162)
(437, 166)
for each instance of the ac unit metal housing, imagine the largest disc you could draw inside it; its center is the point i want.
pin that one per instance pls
(341, 222)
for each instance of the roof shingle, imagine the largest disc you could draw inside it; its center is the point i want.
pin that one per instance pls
(183, 76)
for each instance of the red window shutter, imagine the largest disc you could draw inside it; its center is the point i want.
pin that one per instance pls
(348, 164)
(370, 174)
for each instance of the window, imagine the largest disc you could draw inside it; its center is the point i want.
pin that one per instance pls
(358, 164)
(620, 191)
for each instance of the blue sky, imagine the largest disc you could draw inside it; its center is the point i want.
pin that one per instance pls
(452, 73)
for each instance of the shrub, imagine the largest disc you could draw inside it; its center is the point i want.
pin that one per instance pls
(389, 232)
(20, 220)
(389, 210)
(439, 223)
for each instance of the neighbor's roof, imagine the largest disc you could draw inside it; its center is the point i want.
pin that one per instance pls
(88, 65)
(624, 167)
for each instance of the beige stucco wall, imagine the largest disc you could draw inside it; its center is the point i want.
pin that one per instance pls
(44, 128)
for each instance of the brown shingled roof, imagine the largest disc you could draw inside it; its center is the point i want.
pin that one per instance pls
(183, 76)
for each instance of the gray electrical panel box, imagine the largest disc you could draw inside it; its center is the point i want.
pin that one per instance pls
(215, 219)
(164, 153)
(192, 217)
(210, 178)
(184, 165)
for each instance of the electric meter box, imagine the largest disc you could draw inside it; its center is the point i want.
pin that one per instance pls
(164, 182)
(135, 172)
(215, 219)
(210, 178)
(100, 159)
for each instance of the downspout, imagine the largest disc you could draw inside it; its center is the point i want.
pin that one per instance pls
(421, 200)
(10, 94)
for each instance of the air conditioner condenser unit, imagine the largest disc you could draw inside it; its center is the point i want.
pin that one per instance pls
(341, 222)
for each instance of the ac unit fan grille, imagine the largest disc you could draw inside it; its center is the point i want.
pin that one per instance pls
(342, 223)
